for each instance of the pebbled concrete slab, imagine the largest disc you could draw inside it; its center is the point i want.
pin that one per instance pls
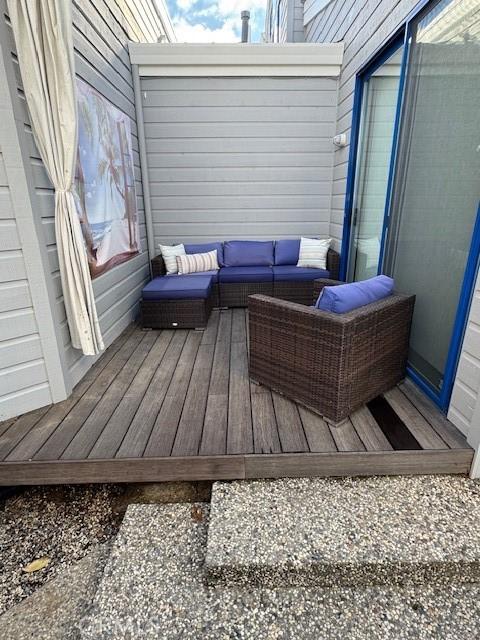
(349, 531)
(56, 610)
(153, 587)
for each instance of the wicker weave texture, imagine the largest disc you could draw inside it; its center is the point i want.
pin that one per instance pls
(331, 363)
(236, 294)
(300, 292)
(179, 314)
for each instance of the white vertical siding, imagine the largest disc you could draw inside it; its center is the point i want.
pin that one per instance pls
(466, 391)
(239, 157)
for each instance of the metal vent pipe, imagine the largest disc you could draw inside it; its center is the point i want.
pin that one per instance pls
(245, 27)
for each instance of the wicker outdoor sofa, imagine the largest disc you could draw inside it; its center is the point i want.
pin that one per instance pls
(235, 294)
(245, 268)
(331, 363)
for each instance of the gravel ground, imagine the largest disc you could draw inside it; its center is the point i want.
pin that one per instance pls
(60, 523)
(153, 587)
(331, 532)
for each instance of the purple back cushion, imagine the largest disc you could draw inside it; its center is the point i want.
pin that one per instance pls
(205, 248)
(247, 253)
(286, 252)
(346, 297)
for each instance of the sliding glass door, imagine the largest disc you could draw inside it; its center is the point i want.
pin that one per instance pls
(379, 104)
(436, 189)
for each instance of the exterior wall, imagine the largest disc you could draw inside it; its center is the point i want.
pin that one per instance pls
(239, 157)
(31, 373)
(102, 30)
(298, 34)
(364, 27)
(284, 21)
(465, 403)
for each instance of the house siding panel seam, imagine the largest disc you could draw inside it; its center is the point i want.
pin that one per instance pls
(364, 27)
(101, 30)
(239, 157)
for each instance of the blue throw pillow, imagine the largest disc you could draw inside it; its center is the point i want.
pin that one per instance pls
(346, 297)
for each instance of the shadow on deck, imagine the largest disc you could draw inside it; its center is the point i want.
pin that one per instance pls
(178, 405)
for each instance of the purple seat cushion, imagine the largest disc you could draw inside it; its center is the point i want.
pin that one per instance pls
(286, 252)
(247, 253)
(290, 273)
(178, 287)
(246, 274)
(346, 297)
(205, 248)
(213, 274)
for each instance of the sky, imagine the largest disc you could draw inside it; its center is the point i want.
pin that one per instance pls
(217, 21)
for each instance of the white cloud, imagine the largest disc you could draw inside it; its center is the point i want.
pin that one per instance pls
(185, 5)
(186, 32)
(234, 7)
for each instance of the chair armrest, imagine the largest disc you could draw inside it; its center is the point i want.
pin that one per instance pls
(158, 266)
(333, 264)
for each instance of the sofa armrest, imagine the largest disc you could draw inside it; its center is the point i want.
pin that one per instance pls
(158, 266)
(333, 264)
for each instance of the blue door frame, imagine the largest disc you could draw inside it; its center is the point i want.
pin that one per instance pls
(403, 37)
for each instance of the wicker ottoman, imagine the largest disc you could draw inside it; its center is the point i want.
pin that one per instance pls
(177, 302)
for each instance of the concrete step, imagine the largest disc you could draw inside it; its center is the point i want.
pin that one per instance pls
(350, 532)
(56, 610)
(154, 587)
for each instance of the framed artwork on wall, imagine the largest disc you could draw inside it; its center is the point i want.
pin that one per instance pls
(105, 182)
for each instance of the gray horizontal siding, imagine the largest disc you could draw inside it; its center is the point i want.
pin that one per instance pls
(363, 26)
(102, 30)
(24, 381)
(239, 157)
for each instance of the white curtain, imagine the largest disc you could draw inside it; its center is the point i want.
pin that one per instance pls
(43, 35)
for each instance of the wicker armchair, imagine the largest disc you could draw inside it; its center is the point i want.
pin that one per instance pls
(331, 363)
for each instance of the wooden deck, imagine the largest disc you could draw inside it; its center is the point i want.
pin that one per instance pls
(178, 405)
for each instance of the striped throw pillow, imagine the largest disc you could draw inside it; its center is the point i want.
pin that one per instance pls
(196, 262)
(313, 253)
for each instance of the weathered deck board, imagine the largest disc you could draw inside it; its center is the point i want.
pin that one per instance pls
(87, 435)
(346, 438)
(67, 428)
(290, 428)
(265, 430)
(179, 405)
(445, 429)
(190, 427)
(425, 435)
(214, 435)
(136, 438)
(165, 428)
(117, 426)
(46, 426)
(317, 432)
(240, 428)
(369, 432)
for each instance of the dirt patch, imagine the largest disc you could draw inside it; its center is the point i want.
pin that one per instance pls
(56, 525)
